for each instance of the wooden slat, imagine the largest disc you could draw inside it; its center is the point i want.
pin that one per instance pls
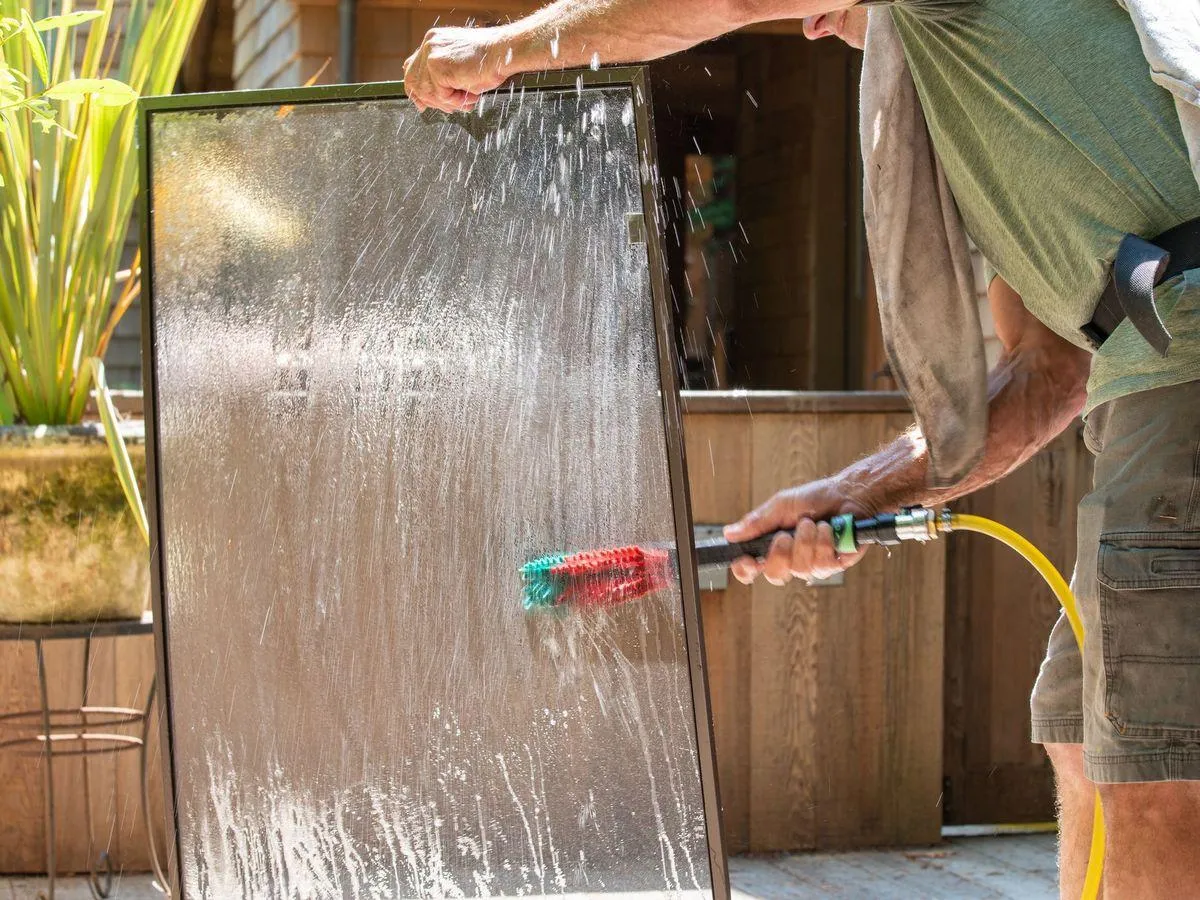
(718, 453)
(846, 744)
(133, 674)
(385, 33)
(247, 13)
(791, 141)
(879, 686)
(318, 30)
(999, 614)
(830, 202)
(21, 808)
(784, 715)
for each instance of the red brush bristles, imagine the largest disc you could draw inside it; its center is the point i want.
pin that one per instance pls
(612, 577)
(620, 559)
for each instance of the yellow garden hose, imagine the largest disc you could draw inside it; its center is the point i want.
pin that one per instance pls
(1037, 559)
(919, 523)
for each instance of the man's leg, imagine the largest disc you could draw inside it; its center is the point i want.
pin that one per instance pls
(1076, 801)
(1057, 707)
(1138, 586)
(1152, 848)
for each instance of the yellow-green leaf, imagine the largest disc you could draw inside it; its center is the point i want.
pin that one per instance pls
(8, 409)
(36, 48)
(48, 124)
(69, 20)
(116, 446)
(105, 91)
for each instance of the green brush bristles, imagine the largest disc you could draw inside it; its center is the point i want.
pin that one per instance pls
(542, 587)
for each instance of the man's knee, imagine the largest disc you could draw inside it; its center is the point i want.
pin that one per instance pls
(1069, 775)
(1152, 805)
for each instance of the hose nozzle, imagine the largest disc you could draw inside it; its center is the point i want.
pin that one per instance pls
(916, 523)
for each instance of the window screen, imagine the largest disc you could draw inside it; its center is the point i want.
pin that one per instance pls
(394, 356)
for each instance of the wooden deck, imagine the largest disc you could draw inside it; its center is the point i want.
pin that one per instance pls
(992, 868)
(1021, 867)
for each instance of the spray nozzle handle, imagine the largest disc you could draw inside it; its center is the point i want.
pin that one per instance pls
(917, 523)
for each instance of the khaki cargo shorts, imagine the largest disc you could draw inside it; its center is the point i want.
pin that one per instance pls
(1133, 701)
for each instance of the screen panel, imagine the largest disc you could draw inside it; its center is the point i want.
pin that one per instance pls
(393, 357)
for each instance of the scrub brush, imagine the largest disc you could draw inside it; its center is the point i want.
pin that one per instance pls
(603, 578)
(620, 574)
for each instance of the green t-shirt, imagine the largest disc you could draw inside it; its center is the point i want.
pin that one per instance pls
(1056, 144)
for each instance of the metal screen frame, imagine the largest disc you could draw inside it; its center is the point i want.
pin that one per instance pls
(634, 77)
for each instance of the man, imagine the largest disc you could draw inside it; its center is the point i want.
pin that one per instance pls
(1056, 143)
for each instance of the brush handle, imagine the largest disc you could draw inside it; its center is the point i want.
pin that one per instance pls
(719, 552)
(846, 535)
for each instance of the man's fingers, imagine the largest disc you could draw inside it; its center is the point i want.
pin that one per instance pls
(825, 560)
(745, 569)
(777, 567)
(802, 548)
(767, 517)
(466, 100)
(789, 555)
(810, 555)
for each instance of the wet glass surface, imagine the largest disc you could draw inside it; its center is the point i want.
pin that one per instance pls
(396, 358)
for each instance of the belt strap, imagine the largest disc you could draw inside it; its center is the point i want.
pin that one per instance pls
(1139, 267)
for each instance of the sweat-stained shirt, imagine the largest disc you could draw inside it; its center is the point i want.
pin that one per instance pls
(1056, 143)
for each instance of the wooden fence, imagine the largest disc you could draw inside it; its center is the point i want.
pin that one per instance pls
(827, 701)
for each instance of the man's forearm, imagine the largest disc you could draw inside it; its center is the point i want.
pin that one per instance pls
(1029, 405)
(454, 67)
(571, 33)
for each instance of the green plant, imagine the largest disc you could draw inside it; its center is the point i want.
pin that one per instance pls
(116, 446)
(17, 90)
(68, 179)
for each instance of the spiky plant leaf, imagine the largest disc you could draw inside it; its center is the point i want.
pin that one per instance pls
(68, 20)
(37, 50)
(116, 446)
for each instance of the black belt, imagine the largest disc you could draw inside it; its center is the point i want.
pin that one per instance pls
(1141, 266)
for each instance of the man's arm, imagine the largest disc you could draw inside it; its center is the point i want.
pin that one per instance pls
(453, 66)
(1035, 391)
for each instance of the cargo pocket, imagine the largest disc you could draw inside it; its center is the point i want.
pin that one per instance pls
(1150, 622)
